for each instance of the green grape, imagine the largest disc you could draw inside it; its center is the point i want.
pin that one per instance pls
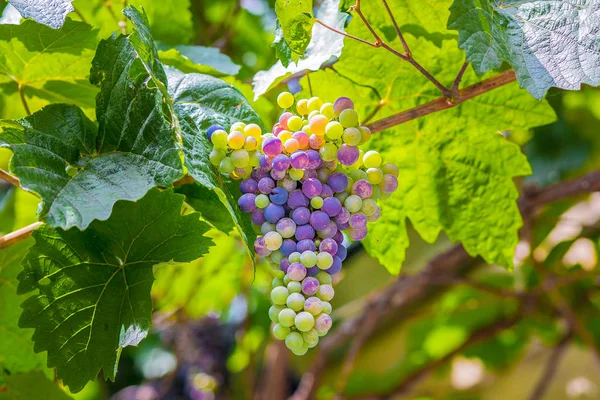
(324, 278)
(308, 258)
(334, 130)
(372, 159)
(357, 175)
(325, 293)
(342, 196)
(327, 110)
(304, 321)
(276, 257)
(294, 123)
(255, 158)
(294, 341)
(240, 158)
(262, 200)
(301, 351)
(286, 317)
(286, 279)
(279, 295)
(219, 139)
(281, 332)
(349, 118)
(351, 136)
(285, 100)
(326, 307)
(328, 152)
(350, 185)
(369, 207)
(216, 156)
(311, 338)
(296, 174)
(374, 176)
(226, 166)
(376, 193)
(324, 260)
(316, 202)
(294, 287)
(295, 301)
(365, 134)
(314, 104)
(390, 169)
(274, 313)
(277, 282)
(238, 127)
(294, 257)
(353, 203)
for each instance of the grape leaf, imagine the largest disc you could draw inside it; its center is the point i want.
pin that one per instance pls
(48, 12)
(207, 203)
(7, 210)
(548, 43)
(48, 65)
(296, 22)
(324, 45)
(203, 60)
(282, 51)
(93, 287)
(32, 385)
(201, 101)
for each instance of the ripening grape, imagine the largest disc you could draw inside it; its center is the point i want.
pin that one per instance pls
(342, 104)
(351, 136)
(375, 175)
(327, 110)
(285, 100)
(314, 104)
(317, 124)
(302, 107)
(334, 130)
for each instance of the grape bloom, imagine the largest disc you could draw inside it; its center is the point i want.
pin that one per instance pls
(303, 185)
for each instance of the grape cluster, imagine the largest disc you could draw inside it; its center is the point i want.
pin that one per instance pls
(303, 184)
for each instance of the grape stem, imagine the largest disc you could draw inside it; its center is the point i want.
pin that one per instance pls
(551, 366)
(10, 178)
(23, 99)
(18, 235)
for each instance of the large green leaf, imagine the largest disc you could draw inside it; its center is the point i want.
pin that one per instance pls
(48, 12)
(201, 101)
(296, 22)
(548, 43)
(80, 173)
(203, 60)
(207, 203)
(49, 65)
(32, 385)
(93, 287)
(455, 170)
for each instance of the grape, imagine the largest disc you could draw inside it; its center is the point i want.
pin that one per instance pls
(302, 138)
(363, 189)
(313, 271)
(322, 323)
(274, 313)
(389, 184)
(219, 139)
(317, 124)
(216, 156)
(273, 241)
(284, 264)
(319, 220)
(357, 234)
(347, 155)
(286, 227)
(337, 181)
(302, 107)
(294, 257)
(353, 203)
(257, 216)
(304, 321)
(304, 232)
(311, 338)
(297, 199)
(285, 100)
(262, 201)
(352, 136)
(326, 191)
(349, 118)
(295, 301)
(372, 159)
(312, 187)
(294, 341)
(336, 266)
(301, 215)
(375, 216)
(286, 279)
(252, 130)
(316, 142)
(287, 247)
(326, 307)
(324, 278)
(301, 351)
(327, 110)
(324, 260)
(306, 245)
(277, 175)
(341, 104)
(281, 162)
(365, 134)
(358, 175)
(316, 202)
(314, 104)
(308, 258)
(329, 246)
(246, 202)
(266, 185)
(236, 140)
(328, 152)
(309, 174)
(286, 317)
(341, 253)
(294, 123)
(211, 129)
(338, 237)
(250, 144)
(296, 174)
(276, 257)
(294, 287)
(274, 212)
(272, 146)
(249, 186)
(296, 271)
(280, 331)
(299, 160)
(267, 227)
(238, 126)
(342, 217)
(279, 196)
(313, 305)
(323, 174)
(279, 295)
(331, 206)
(310, 285)
(374, 175)
(226, 166)
(334, 130)
(288, 184)
(325, 291)
(390, 169)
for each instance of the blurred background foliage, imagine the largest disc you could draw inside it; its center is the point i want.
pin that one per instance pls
(210, 336)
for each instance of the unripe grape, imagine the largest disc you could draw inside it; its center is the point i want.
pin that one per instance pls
(334, 130)
(311, 338)
(353, 203)
(252, 130)
(324, 260)
(279, 295)
(314, 104)
(375, 175)
(317, 124)
(284, 136)
(295, 301)
(238, 127)
(349, 118)
(294, 287)
(375, 216)
(286, 279)
(294, 341)
(302, 106)
(281, 332)
(327, 110)
(274, 313)
(316, 202)
(286, 317)
(262, 201)
(226, 166)
(308, 259)
(365, 134)
(390, 169)
(211, 129)
(358, 175)
(301, 351)
(294, 123)
(294, 257)
(304, 321)
(324, 278)
(328, 152)
(216, 156)
(351, 136)
(372, 159)
(323, 323)
(296, 174)
(240, 158)
(276, 257)
(285, 100)
(219, 139)
(326, 306)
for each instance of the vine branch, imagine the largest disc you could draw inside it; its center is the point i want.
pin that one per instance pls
(23, 99)
(10, 178)
(551, 366)
(18, 235)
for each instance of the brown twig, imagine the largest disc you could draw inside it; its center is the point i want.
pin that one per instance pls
(23, 99)
(458, 79)
(10, 178)
(18, 235)
(442, 103)
(398, 31)
(376, 44)
(374, 112)
(551, 366)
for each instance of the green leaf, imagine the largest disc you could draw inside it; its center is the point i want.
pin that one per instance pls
(32, 385)
(324, 45)
(48, 12)
(296, 21)
(93, 287)
(7, 210)
(207, 203)
(548, 43)
(203, 60)
(282, 51)
(201, 101)
(49, 65)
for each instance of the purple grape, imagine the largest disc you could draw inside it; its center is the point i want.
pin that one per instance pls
(330, 231)
(313, 271)
(260, 173)
(358, 221)
(277, 175)
(266, 162)
(274, 212)
(310, 286)
(375, 216)
(296, 271)
(288, 247)
(260, 248)
(286, 227)
(266, 185)
(309, 174)
(357, 234)
(299, 160)
(319, 220)
(211, 129)
(284, 264)
(257, 216)
(246, 202)
(272, 146)
(363, 189)
(348, 155)
(249, 186)
(342, 252)
(312, 188)
(338, 182)
(314, 159)
(389, 184)
(331, 206)
(288, 184)
(323, 323)
(304, 232)
(297, 199)
(335, 267)
(343, 216)
(339, 237)
(301, 215)
(326, 191)
(343, 227)
(278, 196)
(341, 104)
(281, 162)
(306, 244)
(329, 245)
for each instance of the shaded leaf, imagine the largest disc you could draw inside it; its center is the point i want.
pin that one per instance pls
(203, 60)
(207, 203)
(296, 22)
(32, 385)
